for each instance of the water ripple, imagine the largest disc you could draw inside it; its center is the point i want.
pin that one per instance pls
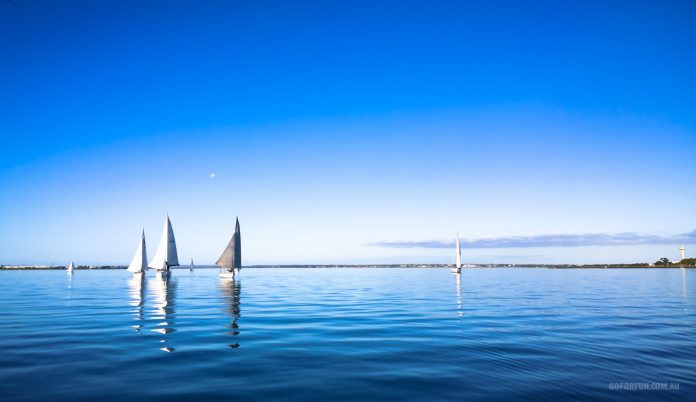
(346, 334)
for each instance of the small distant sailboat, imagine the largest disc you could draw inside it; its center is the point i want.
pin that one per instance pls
(139, 263)
(191, 266)
(458, 259)
(71, 267)
(166, 255)
(231, 257)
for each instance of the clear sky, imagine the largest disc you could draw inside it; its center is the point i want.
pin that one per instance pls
(348, 132)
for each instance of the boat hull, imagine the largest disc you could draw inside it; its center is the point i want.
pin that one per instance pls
(162, 273)
(226, 274)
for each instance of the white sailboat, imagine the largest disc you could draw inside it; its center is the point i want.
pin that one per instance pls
(191, 266)
(71, 267)
(231, 257)
(139, 263)
(165, 256)
(458, 259)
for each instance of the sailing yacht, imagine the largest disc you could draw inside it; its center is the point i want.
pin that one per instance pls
(139, 263)
(166, 255)
(458, 259)
(191, 266)
(231, 257)
(71, 267)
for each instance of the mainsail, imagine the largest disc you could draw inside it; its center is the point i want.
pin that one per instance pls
(458, 263)
(71, 266)
(231, 257)
(139, 263)
(166, 256)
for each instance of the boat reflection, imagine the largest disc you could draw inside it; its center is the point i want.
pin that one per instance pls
(163, 289)
(136, 291)
(458, 277)
(70, 287)
(230, 291)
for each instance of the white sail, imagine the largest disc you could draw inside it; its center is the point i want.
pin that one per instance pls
(191, 266)
(139, 263)
(458, 263)
(166, 255)
(71, 266)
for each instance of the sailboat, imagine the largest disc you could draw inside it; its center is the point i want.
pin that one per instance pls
(71, 267)
(458, 259)
(139, 263)
(231, 257)
(166, 255)
(191, 266)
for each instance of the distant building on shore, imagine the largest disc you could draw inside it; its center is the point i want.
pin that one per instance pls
(681, 252)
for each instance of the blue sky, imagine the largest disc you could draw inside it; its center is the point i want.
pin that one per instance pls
(336, 130)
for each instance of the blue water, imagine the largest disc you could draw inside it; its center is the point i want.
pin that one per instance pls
(348, 334)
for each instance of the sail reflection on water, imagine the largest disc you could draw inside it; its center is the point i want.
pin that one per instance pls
(136, 292)
(230, 291)
(163, 314)
(459, 295)
(70, 288)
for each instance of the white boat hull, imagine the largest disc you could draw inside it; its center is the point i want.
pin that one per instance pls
(456, 270)
(226, 274)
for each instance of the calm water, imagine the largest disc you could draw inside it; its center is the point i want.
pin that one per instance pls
(347, 334)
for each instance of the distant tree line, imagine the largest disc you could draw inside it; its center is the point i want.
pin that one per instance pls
(686, 262)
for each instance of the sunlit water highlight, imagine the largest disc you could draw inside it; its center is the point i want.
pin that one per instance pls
(347, 334)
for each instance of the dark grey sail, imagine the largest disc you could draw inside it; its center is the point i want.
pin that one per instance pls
(231, 257)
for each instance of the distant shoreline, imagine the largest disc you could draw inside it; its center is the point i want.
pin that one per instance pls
(335, 266)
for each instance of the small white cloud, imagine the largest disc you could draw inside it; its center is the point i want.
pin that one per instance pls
(212, 175)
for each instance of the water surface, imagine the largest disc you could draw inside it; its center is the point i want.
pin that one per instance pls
(347, 334)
